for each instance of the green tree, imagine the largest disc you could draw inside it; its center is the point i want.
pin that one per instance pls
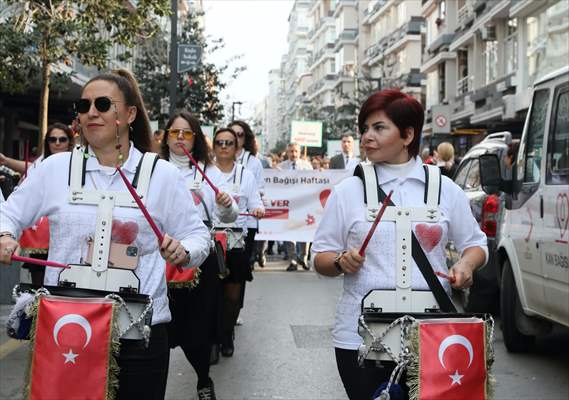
(39, 34)
(198, 90)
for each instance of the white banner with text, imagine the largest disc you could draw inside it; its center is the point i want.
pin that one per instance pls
(294, 203)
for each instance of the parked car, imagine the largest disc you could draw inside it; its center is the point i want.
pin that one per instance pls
(533, 250)
(487, 209)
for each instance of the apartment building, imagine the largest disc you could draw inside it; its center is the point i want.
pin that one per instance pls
(482, 56)
(391, 44)
(272, 122)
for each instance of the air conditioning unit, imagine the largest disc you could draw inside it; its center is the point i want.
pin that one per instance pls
(488, 33)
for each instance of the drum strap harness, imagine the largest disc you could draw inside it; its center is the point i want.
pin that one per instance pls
(403, 217)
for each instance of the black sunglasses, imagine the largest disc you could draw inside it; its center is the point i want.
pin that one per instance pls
(222, 143)
(102, 104)
(54, 139)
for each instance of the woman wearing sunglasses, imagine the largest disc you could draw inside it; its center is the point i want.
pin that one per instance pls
(116, 132)
(194, 305)
(58, 138)
(241, 185)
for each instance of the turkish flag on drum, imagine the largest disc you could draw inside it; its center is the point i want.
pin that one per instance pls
(452, 359)
(71, 349)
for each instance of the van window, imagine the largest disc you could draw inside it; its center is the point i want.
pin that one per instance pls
(473, 178)
(558, 146)
(534, 141)
(461, 174)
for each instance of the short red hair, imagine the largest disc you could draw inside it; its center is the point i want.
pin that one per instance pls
(404, 110)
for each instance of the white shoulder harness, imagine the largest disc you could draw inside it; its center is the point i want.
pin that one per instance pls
(404, 217)
(196, 183)
(105, 201)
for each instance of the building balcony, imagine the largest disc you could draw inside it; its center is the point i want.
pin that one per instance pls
(321, 85)
(371, 15)
(325, 52)
(465, 15)
(464, 85)
(346, 36)
(413, 27)
(340, 4)
(411, 79)
(321, 23)
(484, 13)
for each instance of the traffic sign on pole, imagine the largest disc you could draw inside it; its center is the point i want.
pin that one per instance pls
(189, 56)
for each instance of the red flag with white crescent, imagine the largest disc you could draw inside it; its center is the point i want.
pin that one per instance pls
(71, 351)
(452, 359)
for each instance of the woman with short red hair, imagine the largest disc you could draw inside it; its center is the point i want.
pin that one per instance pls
(390, 122)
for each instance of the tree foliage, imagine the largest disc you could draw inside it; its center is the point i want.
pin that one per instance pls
(198, 90)
(39, 34)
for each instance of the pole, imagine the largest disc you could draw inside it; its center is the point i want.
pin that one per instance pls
(173, 55)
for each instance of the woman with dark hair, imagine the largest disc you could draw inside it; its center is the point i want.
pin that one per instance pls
(58, 138)
(34, 241)
(240, 183)
(194, 300)
(116, 132)
(391, 124)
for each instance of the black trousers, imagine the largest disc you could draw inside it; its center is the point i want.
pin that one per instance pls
(144, 371)
(361, 383)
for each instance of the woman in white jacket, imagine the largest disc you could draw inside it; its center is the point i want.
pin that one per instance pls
(115, 130)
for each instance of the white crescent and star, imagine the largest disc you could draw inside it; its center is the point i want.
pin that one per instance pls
(72, 319)
(70, 356)
(445, 344)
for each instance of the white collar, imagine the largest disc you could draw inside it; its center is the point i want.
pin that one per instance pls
(130, 164)
(182, 162)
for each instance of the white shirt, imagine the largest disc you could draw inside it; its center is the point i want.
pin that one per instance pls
(253, 164)
(46, 191)
(247, 195)
(346, 226)
(207, 194)
(299, 164)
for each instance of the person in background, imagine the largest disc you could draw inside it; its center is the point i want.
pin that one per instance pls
(58, 138)
(195, 308)
(297, 252)
(346, 159)
(325, 163)
(445, 160)
(248, 200)
(316, 163)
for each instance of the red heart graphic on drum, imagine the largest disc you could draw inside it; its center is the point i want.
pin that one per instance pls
(562, 213)
(324, 196)
(428, 236)
(124, 232)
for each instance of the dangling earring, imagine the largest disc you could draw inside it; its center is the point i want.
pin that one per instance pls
(118, 146)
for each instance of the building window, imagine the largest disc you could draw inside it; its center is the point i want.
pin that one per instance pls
(511, 46)
(547, 38)
(491, 61)
(442, 83)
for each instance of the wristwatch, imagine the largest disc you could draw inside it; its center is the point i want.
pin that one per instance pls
(337, 262)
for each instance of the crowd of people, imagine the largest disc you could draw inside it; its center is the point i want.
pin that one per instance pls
(221, 190)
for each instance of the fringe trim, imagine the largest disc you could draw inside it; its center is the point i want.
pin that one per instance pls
(114, 349)
(186, 284)
(32, 312)
(414, 368)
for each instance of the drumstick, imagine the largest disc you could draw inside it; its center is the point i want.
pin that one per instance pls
(249, 215)
(215, 189)
(451, 279)
(375, 223)
(38, 262)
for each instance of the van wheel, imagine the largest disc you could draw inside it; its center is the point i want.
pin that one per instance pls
(510, 307)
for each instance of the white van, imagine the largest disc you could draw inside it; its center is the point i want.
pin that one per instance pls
(533, 249)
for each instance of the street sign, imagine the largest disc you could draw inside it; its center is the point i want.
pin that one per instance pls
(441, 119)
(306, 133)
(189, 56)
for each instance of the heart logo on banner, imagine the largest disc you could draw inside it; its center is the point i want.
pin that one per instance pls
(324, 196)
(428, 236)
(124, 232)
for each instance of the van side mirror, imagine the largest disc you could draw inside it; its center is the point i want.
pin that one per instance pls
(490, 175)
